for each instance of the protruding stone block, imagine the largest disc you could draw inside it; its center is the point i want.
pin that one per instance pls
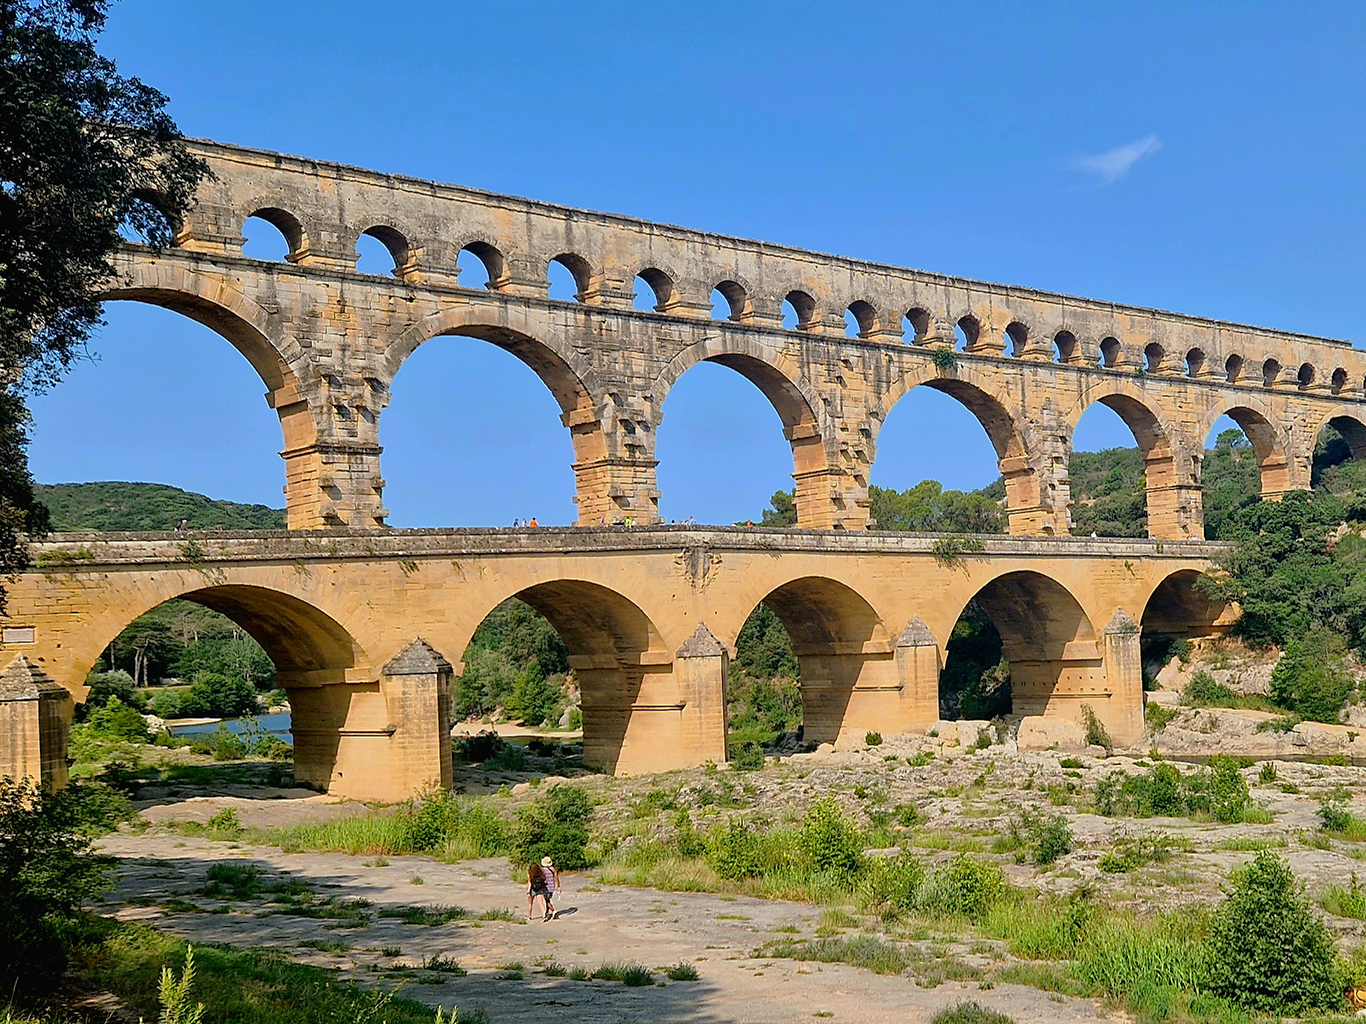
(917, 668)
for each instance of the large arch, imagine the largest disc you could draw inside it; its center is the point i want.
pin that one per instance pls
(849, 681)
(792, 397)
(1049, 641)
(1179, 610)
(1028, 509)
(213, 301)
(571, 382)
(629, 697)
(1257, 420)
(316, 659)
(1170, 488)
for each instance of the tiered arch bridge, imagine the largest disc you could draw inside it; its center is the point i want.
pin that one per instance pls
(327, 341)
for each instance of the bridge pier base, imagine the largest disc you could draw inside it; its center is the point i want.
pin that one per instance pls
(377, 741)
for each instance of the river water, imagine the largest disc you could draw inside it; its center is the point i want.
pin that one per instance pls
(276, 724)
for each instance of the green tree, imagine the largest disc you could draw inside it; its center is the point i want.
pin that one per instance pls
(1268, 950)
(1312, 678)
(83, 151)
(47, 874)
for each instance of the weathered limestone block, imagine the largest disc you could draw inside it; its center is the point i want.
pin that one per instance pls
(918, 667)
(1040, 732)
(35, 721)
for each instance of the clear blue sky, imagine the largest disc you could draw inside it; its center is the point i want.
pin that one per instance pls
(1202, 157)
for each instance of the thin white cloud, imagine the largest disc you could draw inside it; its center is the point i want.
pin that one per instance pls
(1113, 164)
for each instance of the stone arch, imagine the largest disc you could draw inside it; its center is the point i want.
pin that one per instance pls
(806, 307)
(1233, 368)
(1348, 422)
(585, 277)
(1177, 609)
(216, 303)
(316, 657)
(848, 670)
(1056, 663)
(587, 412)
(663, 282)
(396, 242)
(288, 224)
(793, 398)
(736, 293)
(1257, 421)
(623, 670)
(865, 316)
(491, 256)
(1171, 481)
(1006, 427)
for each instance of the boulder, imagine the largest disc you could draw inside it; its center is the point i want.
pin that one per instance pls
(1041, 732)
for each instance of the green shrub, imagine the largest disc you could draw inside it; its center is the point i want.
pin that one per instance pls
(1345, 902)
(478, 748)
(891, 884)
(1268, 951)
(104, 685)
(1204, 691)
(556, 825)
(970, 1012)
(576, 718)
(536, 698)
(830, 839)
(117, 721)
(1268, 772)
(873, 739)
(47, 874)
(682, 971)
(733, 850)
(1228, 793)
(1218, 790)
(1312, 678)
(748, 757)
(1096, 733)
(1157, 717)
(1051, 840)
(225, 820)
(964, 886)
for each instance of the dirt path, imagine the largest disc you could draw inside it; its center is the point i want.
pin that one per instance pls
(718, 934)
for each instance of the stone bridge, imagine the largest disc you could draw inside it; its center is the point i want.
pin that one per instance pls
(327, 341)
(367, 625)
(366, 628)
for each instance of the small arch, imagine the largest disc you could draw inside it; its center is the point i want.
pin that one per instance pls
(1195, 362)
(146, 219)
(863, 317)
(1152, 357)
(1015, 338)
(966, 333)
(733, 302)
(799, 310)
(916, 324)
(1110, 350)
(288, 227)
(1338, 381)
(654, 291)
(1065, 347)
(1305, 376)
(579, 271)
(394, 244)
(1339, 441)
(1271, 369)
(1233, 368)
(489, 258)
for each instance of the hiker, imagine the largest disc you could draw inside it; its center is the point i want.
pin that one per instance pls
(537, 886)
(552, 881)
(533, 524)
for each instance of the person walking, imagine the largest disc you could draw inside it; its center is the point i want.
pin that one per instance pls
(552, 884)
(536, 886)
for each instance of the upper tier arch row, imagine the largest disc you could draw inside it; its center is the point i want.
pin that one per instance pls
(322, 209)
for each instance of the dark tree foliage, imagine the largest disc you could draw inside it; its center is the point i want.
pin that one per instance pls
(46, 874)
(1108, 493)
(515, 660)
(1231, 479)
(975, 681)
(20, 512)
(763, 650)
(83, 150)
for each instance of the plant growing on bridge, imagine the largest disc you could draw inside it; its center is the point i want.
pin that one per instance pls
(945, 359)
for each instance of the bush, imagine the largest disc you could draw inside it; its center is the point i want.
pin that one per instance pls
(47, 874)
(556, 825)
(104, 685)
(733, 850)
(965, 886)
(969, 1012)
(873, 739)
(830, 839)
(1312, 678)
(748, 757)
(1051, 839)
(1096, 733)
(1268, 951)
(1204, 691)
(535, 698)
(892, 883)
(478, 748)
(1218, 790)
(117, 721)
